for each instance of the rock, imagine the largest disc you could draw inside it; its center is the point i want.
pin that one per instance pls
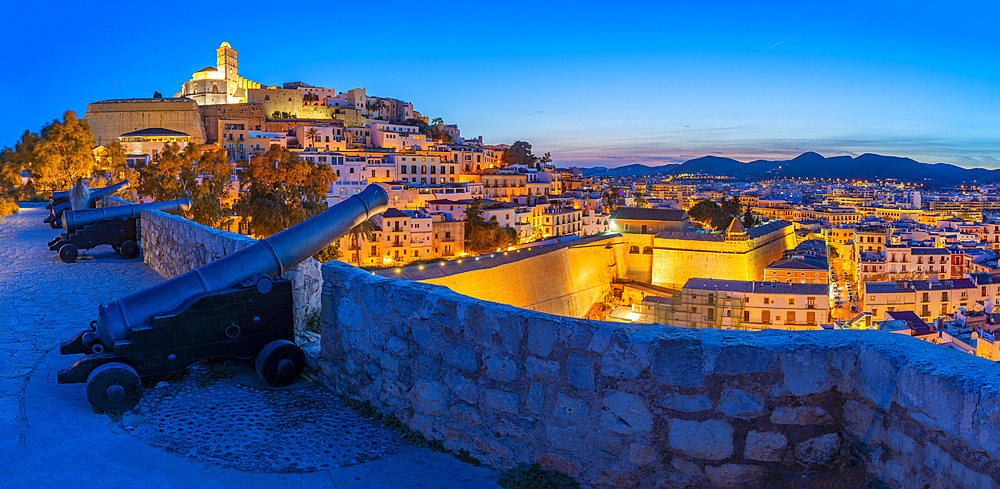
(463, 387)
(462, 358)
(429, 397)
(741, 359)
(569, 438)
(503, 369)
(544, 370)
(686, 466)
(677, 362)
(626, 414)
(738, 404)
(732, 474)
(570, 408)
(807, 415)
(641, 454)
(466, 414)
(541, 336)
(805, 372)
(708, 440)
(765, 446)
(616, 477)
(536, 398)
(580, 371)
(553, 461)
(502, 401)
(820, 450)
(687, 404)
(619, 361)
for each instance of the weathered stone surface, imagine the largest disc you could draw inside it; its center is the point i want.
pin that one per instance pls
(543, 370)
(742, 359)
(805, 372)
(554, 461)
(503, 369)
(462, 358)
(765, 446)
(680, 402)
(805, 415)
(708, 440)
(492, 446)
(511, 332)
(502, 401)
(730, 474)
(467, 415)
(429, 397)
(877, 378)
(536, 398)
(641, 454)
(626, 413)
(620, 360)
(569, 438)
(541, 336)
(820, 450)
(617, 477)
(579, 371)
(677, 362)
(571, 408)
(463, 387)
(739, 404)
(686, 466)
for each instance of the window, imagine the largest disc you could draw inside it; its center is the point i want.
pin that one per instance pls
(791, 301)
(811, 302)
(711, 314)
(402, 169)
(790, 317)
(746, 316)
(767, 300)
(765, 317)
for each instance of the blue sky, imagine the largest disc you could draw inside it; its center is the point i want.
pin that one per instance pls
(594, 83)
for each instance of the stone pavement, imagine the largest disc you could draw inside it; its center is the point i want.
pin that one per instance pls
(49, 435)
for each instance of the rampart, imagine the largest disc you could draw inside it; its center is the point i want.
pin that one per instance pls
(563, 279)
(657, 406)
(252, 113)
(172, 245)
(109, 119)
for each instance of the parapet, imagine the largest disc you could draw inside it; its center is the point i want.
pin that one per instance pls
(618, 405)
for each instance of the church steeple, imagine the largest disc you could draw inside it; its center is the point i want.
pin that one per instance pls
(225, 57)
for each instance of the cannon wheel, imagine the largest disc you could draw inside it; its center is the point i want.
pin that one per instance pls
(280, 363)
(129, 250)
(114, 387)
(68, 253)
(55, 224)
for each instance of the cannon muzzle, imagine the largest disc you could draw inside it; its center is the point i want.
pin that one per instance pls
(64, 194)
(270, 256)
(73, 220)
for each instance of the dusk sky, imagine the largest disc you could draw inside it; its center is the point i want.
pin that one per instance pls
(594, 83)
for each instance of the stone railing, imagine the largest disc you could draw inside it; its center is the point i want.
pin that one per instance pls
(172, 245)
(617, 405)
(110, 201)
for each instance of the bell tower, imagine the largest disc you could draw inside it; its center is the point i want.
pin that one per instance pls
(226, 62)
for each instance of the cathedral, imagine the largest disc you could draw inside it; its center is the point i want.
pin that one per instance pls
(219, 85)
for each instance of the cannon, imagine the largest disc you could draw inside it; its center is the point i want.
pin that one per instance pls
(116, 226)
(237, 306)
(60, 202)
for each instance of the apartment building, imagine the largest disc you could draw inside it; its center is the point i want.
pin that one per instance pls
(750, 305)
(798, 269)
(559, 221)
(926, 298)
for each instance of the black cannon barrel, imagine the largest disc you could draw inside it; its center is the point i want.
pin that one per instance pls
(73, 220)
(64, 194)
(270, 256)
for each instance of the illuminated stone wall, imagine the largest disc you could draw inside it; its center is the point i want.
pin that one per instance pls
(172, 245)
(617, 405)
(109, 119)
(252, 113)
(564, 279)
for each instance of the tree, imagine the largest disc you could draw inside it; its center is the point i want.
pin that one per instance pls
(157, 95)
(485, 236)
(212, 198)
(280, 190)
(437, 121)
(705, 211)
(111, 167)
(518, 154)
(60, 154)
(731, 207)
(172, 175)
(435, 132)
(749, 220)
(375, 105)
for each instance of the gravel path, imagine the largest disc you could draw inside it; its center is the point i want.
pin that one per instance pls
(178, 436)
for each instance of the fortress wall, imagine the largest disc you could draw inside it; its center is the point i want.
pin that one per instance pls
(637, 267)
(565, 281)
(253, 113)
(676, 261)
(617, 405)
(172, 245)
(109, 119)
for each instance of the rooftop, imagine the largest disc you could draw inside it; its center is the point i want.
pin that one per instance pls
(756, 287)
(153, 132)
(649, 214)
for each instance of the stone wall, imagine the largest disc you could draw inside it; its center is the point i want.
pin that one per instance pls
(617, 405)
(172, 245)
(110, 201)
(109, 119)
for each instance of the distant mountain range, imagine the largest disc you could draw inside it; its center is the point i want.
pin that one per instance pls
(812, 165)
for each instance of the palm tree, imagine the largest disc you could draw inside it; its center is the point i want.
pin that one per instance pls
(437, 120)
(375, 105)
(365, 229)
(312, 133)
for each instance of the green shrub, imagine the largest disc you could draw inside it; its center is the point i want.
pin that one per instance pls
(313, 323)
(535, 477)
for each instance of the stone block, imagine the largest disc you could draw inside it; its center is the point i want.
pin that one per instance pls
(806, 415)
(569, 438)
(733, 474)
(765, 446)
(511, 331)
(626, 414)
(707, 440)
(554, 461)
(738, 404)
(877, 378)
(821, 450)
(543, 370)
(580, 370)
(429, 397)
(743, 359)
(805, 372)
(686, 467)
(542, 335)
(466, 414)
(680, 402)
(617, 477)
(500, 368)
(502, 401)
(641, 454)
(463, 387)
(601, 338)
(536, 398)
(949, 405)
(462, 358)
(581, 335)
(571, 408)
(678, 362)
(620, 361)
(424, 338)
(493, 446)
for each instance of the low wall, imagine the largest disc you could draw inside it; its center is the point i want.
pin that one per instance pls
(656, 406)
(110, 201)
(172, 245)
